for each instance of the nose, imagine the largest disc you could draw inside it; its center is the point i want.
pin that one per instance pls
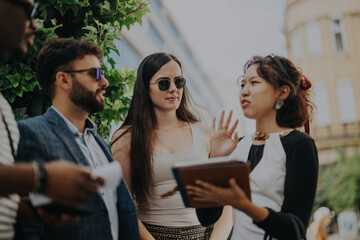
(172, 87)
(34, 26)
(244, 91)
(104, 82)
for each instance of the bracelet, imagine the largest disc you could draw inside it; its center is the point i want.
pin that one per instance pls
(40, 177)
(36, 176)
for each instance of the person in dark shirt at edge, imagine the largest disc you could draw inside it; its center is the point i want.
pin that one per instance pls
(283, 160)
(64, 182)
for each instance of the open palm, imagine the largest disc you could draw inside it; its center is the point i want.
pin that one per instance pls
(223, 140)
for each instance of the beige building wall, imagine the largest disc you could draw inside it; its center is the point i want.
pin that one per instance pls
(336, 72)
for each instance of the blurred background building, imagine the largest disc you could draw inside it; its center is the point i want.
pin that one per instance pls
(159, 33)
(323, 38)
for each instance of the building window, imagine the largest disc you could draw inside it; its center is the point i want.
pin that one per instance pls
(313, 37)
(155, 37)
(338, 34)
(295, 44)
(346, 100)
(321, 101)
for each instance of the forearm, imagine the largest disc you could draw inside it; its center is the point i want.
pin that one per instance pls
(16, 179)
(208, 216)
(224, 225)
(144, 233)
(258, 214)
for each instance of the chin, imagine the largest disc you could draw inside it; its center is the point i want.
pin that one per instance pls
(249, 115)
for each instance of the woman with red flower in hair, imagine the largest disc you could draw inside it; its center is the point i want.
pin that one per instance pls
(283, 160)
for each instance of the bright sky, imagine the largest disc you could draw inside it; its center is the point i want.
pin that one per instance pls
(224, 34)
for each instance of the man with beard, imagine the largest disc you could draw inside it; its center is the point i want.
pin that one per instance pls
(69, 71)
(64, 182)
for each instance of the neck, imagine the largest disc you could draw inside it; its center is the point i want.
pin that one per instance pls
(166, 120)
(73, 113)
(269, 124)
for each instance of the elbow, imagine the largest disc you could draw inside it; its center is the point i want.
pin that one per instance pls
(208, 216)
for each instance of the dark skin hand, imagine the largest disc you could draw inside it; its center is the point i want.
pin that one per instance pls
(67, 183)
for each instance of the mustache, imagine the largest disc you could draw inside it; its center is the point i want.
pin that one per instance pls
(30, 34)
(100, 89)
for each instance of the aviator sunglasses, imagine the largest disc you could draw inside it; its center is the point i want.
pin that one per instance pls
(164, 84)
(94, 72)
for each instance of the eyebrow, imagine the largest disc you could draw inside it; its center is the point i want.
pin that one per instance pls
(167, 78)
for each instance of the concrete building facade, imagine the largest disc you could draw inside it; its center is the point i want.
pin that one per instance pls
(323, 38)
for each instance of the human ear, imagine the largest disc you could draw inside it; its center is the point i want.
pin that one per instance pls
(284, 92)
(63, 80)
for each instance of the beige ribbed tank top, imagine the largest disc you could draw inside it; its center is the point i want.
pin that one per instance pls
(171, 211)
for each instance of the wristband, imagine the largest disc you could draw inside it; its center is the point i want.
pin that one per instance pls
(40, 177)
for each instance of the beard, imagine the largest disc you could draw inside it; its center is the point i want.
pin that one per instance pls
(84, 98)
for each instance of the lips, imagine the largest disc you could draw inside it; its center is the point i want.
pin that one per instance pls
(244, 103)
(30, 39)
(171, 98)
(101, 93)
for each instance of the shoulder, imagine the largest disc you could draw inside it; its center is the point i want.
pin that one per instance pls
(297, 140)
(36, 124)
(121, 138)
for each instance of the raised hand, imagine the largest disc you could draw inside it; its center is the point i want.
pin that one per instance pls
(223, 140)
(70, 184)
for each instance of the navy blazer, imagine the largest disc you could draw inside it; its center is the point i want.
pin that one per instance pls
(48, 138)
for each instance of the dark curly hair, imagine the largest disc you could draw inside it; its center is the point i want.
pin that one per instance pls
(280, 71)
(57, 55)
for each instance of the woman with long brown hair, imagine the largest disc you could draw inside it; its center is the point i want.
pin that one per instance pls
(283, 160)
(159, 130)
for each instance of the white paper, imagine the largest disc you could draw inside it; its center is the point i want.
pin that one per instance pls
(111, 173)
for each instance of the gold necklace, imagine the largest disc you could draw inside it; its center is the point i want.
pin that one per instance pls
(264, 135)
(260, 136)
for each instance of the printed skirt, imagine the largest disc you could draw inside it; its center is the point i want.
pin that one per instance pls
(197, 232)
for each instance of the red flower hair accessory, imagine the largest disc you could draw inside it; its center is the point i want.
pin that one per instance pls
(305, 85)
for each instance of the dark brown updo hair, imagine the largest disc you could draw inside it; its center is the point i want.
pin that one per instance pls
(280, 71)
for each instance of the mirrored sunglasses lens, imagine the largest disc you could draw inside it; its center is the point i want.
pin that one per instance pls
(180, 82)
(98, 74)
(164, 85)
(33, 11)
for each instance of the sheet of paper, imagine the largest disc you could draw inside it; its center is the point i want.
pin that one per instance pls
(111, 173)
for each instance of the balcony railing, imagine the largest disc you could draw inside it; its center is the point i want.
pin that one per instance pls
(337, 135)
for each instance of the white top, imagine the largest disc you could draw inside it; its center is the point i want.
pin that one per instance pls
(171, 211)
(8, 205)
(266, 183)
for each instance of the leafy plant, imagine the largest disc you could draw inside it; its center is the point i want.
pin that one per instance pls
(342, 182)
(99, 21)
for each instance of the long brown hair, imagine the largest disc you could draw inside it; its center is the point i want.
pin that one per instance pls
(141, 122)
(280, 71)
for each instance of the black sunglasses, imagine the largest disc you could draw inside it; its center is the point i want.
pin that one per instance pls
(164, 84)
(29, 8)
(94, 72)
